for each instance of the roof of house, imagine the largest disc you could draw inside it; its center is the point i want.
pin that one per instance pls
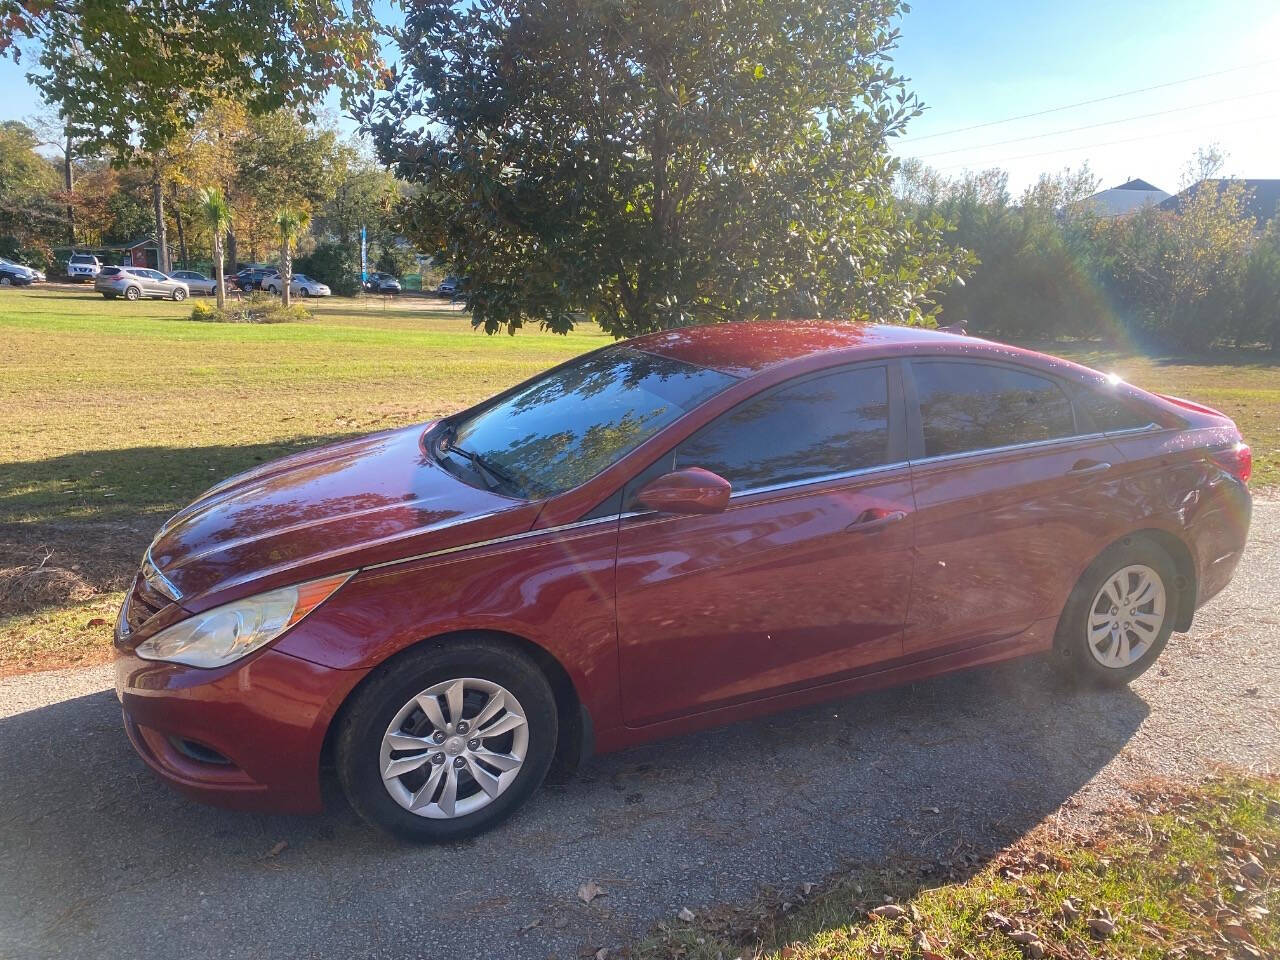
(1126, 198)
(1262, 201)
(1136, 184)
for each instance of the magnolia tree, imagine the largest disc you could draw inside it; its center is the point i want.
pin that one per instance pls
(653, 163)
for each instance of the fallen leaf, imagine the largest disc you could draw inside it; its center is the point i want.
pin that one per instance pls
(97, 622)
(890, 911)
(1237, 934)
(278, 849)
(686, 915)
(1024, 936)
(1102, 927)
(1070, 910)
(589, 891)
(921, 942)
(997, 920)
(602, 953)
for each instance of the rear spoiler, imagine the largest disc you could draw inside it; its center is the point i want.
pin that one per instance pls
(1192, 405)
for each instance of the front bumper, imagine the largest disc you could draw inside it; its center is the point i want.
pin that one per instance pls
(247, 736)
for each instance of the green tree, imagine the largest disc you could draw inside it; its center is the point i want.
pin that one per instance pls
(217, 217)
(30, 220)
(653, 163)
(133, 75)
(292, 223)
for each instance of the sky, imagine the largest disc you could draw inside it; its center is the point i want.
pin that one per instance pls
(980, 62)
(1216, 67)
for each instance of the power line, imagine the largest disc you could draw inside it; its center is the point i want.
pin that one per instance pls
(1091, 126)
(1111, 143)
(1085, 103)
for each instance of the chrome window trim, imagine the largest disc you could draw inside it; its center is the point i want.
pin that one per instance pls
(1075, 437)
(825, 478)
(1056, 441)
(789, 485)
(1151, 427)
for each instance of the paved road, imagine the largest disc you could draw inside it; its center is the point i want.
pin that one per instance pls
(98, 860)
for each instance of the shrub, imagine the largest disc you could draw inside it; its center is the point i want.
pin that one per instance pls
(333, 264)
(255, 308)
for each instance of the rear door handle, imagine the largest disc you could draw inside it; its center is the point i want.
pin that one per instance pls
(1084, 468)
(875, 518)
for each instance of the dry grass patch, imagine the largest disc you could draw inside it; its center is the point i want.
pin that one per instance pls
(1183, 873)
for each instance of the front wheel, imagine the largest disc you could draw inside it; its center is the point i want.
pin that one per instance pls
(1120, 615)
(179, 295)
(448, 741)
(5, 282)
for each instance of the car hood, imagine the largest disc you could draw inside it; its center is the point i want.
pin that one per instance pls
(369, 500)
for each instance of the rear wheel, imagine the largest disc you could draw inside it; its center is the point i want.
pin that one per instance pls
(1120, 615)
(449, 741)
(132, 293)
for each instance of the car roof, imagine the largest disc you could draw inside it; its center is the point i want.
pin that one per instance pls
(746, 348)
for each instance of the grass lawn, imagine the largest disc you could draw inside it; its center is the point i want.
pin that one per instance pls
(118, 414)
(1186, 873)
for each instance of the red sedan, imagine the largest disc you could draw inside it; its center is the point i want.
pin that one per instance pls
(669, 533)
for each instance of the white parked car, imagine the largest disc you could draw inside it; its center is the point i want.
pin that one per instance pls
(300, 286)
(83, 266)
(196, 282)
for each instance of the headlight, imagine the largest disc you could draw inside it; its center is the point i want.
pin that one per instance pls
(224, 634)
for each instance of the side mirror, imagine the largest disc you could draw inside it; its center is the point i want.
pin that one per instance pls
(691, 490)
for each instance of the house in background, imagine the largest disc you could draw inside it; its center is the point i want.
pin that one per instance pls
(1125, 199)
(143, 252)
(1262, 198)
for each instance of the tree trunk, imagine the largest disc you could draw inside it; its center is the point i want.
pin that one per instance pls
(182, 235)
(69, 182)
(231, 249)
(162, 234)
(217, 270)
(286, 270)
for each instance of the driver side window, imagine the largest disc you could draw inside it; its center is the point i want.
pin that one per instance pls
(805, 430)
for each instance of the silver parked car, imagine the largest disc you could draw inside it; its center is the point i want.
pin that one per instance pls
(134, 283)
(196, 282)
(300, 285)
(83, 266)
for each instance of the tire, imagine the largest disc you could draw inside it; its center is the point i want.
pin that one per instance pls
(302, 292)
(389, 700)
(179, 296)
(132, 293)
(5, 282)
(1119, 631)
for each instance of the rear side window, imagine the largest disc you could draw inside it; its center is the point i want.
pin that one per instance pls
(1109, 410)
(817, 427)
(111, 271)
(974, 406)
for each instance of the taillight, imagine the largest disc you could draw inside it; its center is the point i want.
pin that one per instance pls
(1237, 460)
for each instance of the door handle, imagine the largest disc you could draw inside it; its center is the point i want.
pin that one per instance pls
(1084, 468)
(875, 518)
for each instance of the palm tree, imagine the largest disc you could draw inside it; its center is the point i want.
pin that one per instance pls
(217, 215)
(292, 224)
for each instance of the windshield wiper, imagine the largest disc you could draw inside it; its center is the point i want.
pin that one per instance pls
(494, 475)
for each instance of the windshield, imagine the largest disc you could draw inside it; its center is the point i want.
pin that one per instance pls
(564, 428)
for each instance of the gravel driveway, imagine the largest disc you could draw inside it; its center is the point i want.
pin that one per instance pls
(99, 860)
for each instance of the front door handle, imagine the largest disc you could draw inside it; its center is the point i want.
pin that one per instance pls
(1084, 468)
(875, 518)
